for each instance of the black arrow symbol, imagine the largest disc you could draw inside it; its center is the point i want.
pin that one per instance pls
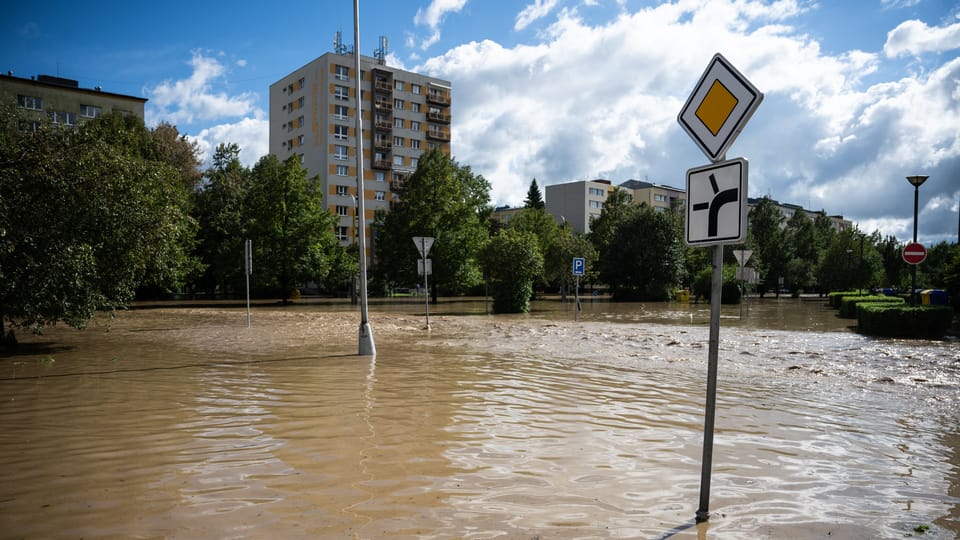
(720, 198)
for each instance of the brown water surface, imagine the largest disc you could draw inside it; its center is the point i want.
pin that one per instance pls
(184, 423)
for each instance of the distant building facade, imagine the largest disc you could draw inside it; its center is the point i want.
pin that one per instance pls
(788, 210)
(576, 203)
(62, 101)
(313, 115)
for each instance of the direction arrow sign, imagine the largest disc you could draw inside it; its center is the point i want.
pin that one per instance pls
(914, 253)
(719, 107)
(717, 203)
(579, 266)
(423, 243)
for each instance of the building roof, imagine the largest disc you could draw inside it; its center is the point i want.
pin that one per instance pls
(49, 81)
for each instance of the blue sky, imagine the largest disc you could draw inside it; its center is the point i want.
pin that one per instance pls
(858, 95)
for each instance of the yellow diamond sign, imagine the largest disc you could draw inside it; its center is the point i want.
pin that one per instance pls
(719, 107)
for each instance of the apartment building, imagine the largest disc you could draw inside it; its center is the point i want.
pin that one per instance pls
(313, 115)
(576, 203)
(62, 101)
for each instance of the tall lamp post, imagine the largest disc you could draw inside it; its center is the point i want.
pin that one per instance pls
(916, 181)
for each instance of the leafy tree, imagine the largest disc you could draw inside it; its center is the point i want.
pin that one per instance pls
(85, 218)
(534, 197)
(513, 261)
(558, 259)
(544, 227)
(644, 259)
(894, 273)
(801, 244)
(951, 276)
(447, 202)
(766, 237)
(851, 262)
(292, 234)
(616, 210)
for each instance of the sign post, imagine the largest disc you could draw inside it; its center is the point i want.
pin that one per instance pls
(248, 259)
(719, 107)
(579, 269)
(424, 243)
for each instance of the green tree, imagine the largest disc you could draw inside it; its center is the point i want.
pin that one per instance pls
(850, 263)
(644, 259)
(447, 202)
(544, 227)
(766, 238)
(616, 210)
(220, 210)
(292, 234)
(534, 197)
(85, 219)
(558, 259)
(801, 244)
(513, 261)
(894, 271)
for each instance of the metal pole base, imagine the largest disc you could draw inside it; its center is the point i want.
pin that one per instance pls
(367, 348)
(702, 515)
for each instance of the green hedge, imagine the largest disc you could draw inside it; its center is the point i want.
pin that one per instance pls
(893, 320)
(835, 298)
(848, 304)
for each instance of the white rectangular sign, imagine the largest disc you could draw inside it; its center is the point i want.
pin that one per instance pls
(717, 203)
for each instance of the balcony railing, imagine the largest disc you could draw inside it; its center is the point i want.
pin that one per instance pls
(438, 135)
(383, 125)
(383, 86)
(384, 164)
(438, 117)
(384, 144)
(383, 105)
(440, 98)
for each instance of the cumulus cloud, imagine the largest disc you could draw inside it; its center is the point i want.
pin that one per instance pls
(194, 98)
(600, 101)
(251, 134)
(534, 11)
(432, 17)
(915, 37)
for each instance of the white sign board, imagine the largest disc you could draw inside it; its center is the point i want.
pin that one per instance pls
(421, 265)
(719, 107)
(423, 243)
(717, 203)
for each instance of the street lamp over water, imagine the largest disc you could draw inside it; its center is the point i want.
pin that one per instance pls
(916, 181)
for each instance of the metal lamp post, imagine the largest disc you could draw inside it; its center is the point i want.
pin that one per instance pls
(916, 181)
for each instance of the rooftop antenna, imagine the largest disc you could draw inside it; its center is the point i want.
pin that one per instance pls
(381, 53)
(338, 46)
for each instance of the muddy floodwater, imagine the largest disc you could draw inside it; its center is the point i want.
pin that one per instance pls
(184, 423)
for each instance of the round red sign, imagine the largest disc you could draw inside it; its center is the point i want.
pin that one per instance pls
(914, 253)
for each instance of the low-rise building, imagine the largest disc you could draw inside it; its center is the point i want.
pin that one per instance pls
(62, 101)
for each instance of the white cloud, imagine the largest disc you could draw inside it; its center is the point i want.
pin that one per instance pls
(915, 37)
(194, 98)
(537, 10)
(432, 17)
(600, 101)
(251, 134)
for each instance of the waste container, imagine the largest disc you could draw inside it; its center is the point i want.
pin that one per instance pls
(934, 297)
(683, 295)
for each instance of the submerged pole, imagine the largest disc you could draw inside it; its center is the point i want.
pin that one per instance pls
(716, 290)
(366, 347)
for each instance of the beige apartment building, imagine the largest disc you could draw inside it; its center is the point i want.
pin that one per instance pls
(62, 101)
(313, 115)
(576, 203)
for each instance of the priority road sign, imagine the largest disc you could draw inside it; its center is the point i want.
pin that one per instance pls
(579, 266)
(719, 107)
(717, 203)
(423, 243)
(914, 253)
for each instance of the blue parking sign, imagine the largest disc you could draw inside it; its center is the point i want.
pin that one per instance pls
(579, 266)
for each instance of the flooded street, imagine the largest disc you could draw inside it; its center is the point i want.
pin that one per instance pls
(184, 423)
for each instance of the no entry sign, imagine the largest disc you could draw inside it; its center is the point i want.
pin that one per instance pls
(914, 253)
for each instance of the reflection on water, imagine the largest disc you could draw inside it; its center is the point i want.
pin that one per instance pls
(184, 423)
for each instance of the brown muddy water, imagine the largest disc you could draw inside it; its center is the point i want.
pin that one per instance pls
(184, 423)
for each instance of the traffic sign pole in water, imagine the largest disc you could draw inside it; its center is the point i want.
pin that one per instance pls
(366, 345)
(710, 409)
(579, 269)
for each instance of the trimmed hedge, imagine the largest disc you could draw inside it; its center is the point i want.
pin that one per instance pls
(849, 304)
(892, 320)
(835, 298)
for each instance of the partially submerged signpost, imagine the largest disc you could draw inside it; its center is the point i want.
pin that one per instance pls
(716, 212)
(579, 269)
(425, 268)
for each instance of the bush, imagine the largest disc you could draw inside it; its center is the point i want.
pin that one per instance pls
(730, 292)
(893, 320)
(848, 304)
(835, 298)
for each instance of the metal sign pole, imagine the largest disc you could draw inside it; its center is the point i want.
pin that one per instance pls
(366, 345)
(576, 297)
(248, 258)
(716, 289)
(426, 286)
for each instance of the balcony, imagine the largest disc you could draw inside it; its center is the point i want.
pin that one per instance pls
(383, 105)
(439, 98)
(382, 143)
(383, 85)
(383, 125)
(438, 117)
(438, 135)
(383, 164)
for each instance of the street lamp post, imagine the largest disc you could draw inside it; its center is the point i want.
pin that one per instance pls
(916, 181)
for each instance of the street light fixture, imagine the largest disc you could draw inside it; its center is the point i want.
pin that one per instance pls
(916, 181)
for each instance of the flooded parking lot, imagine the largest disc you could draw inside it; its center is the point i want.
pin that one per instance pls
(184, 423)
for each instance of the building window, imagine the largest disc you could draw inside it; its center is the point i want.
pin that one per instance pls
(596, 192)
(398, 104)
(414, 162)
(340, 132)
(65, 118)
(398, 85)
(415, 107)
(342, 191)
(90, 111)
(343, 210)
(341, 92)
(398, 122)
(341, 112)
(342, 72)
(380, 177)
(596, 204)
(381, 195)
(339, 151)
(343, 233)
(415, 88)
(342, 170)
(414, 125)
(398, 160)
(659, 198)
(398, 141)
(300, 140)
(415, 144)
(30, 102)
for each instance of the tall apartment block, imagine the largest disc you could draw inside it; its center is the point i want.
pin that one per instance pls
(62, 101)
(313, 115)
